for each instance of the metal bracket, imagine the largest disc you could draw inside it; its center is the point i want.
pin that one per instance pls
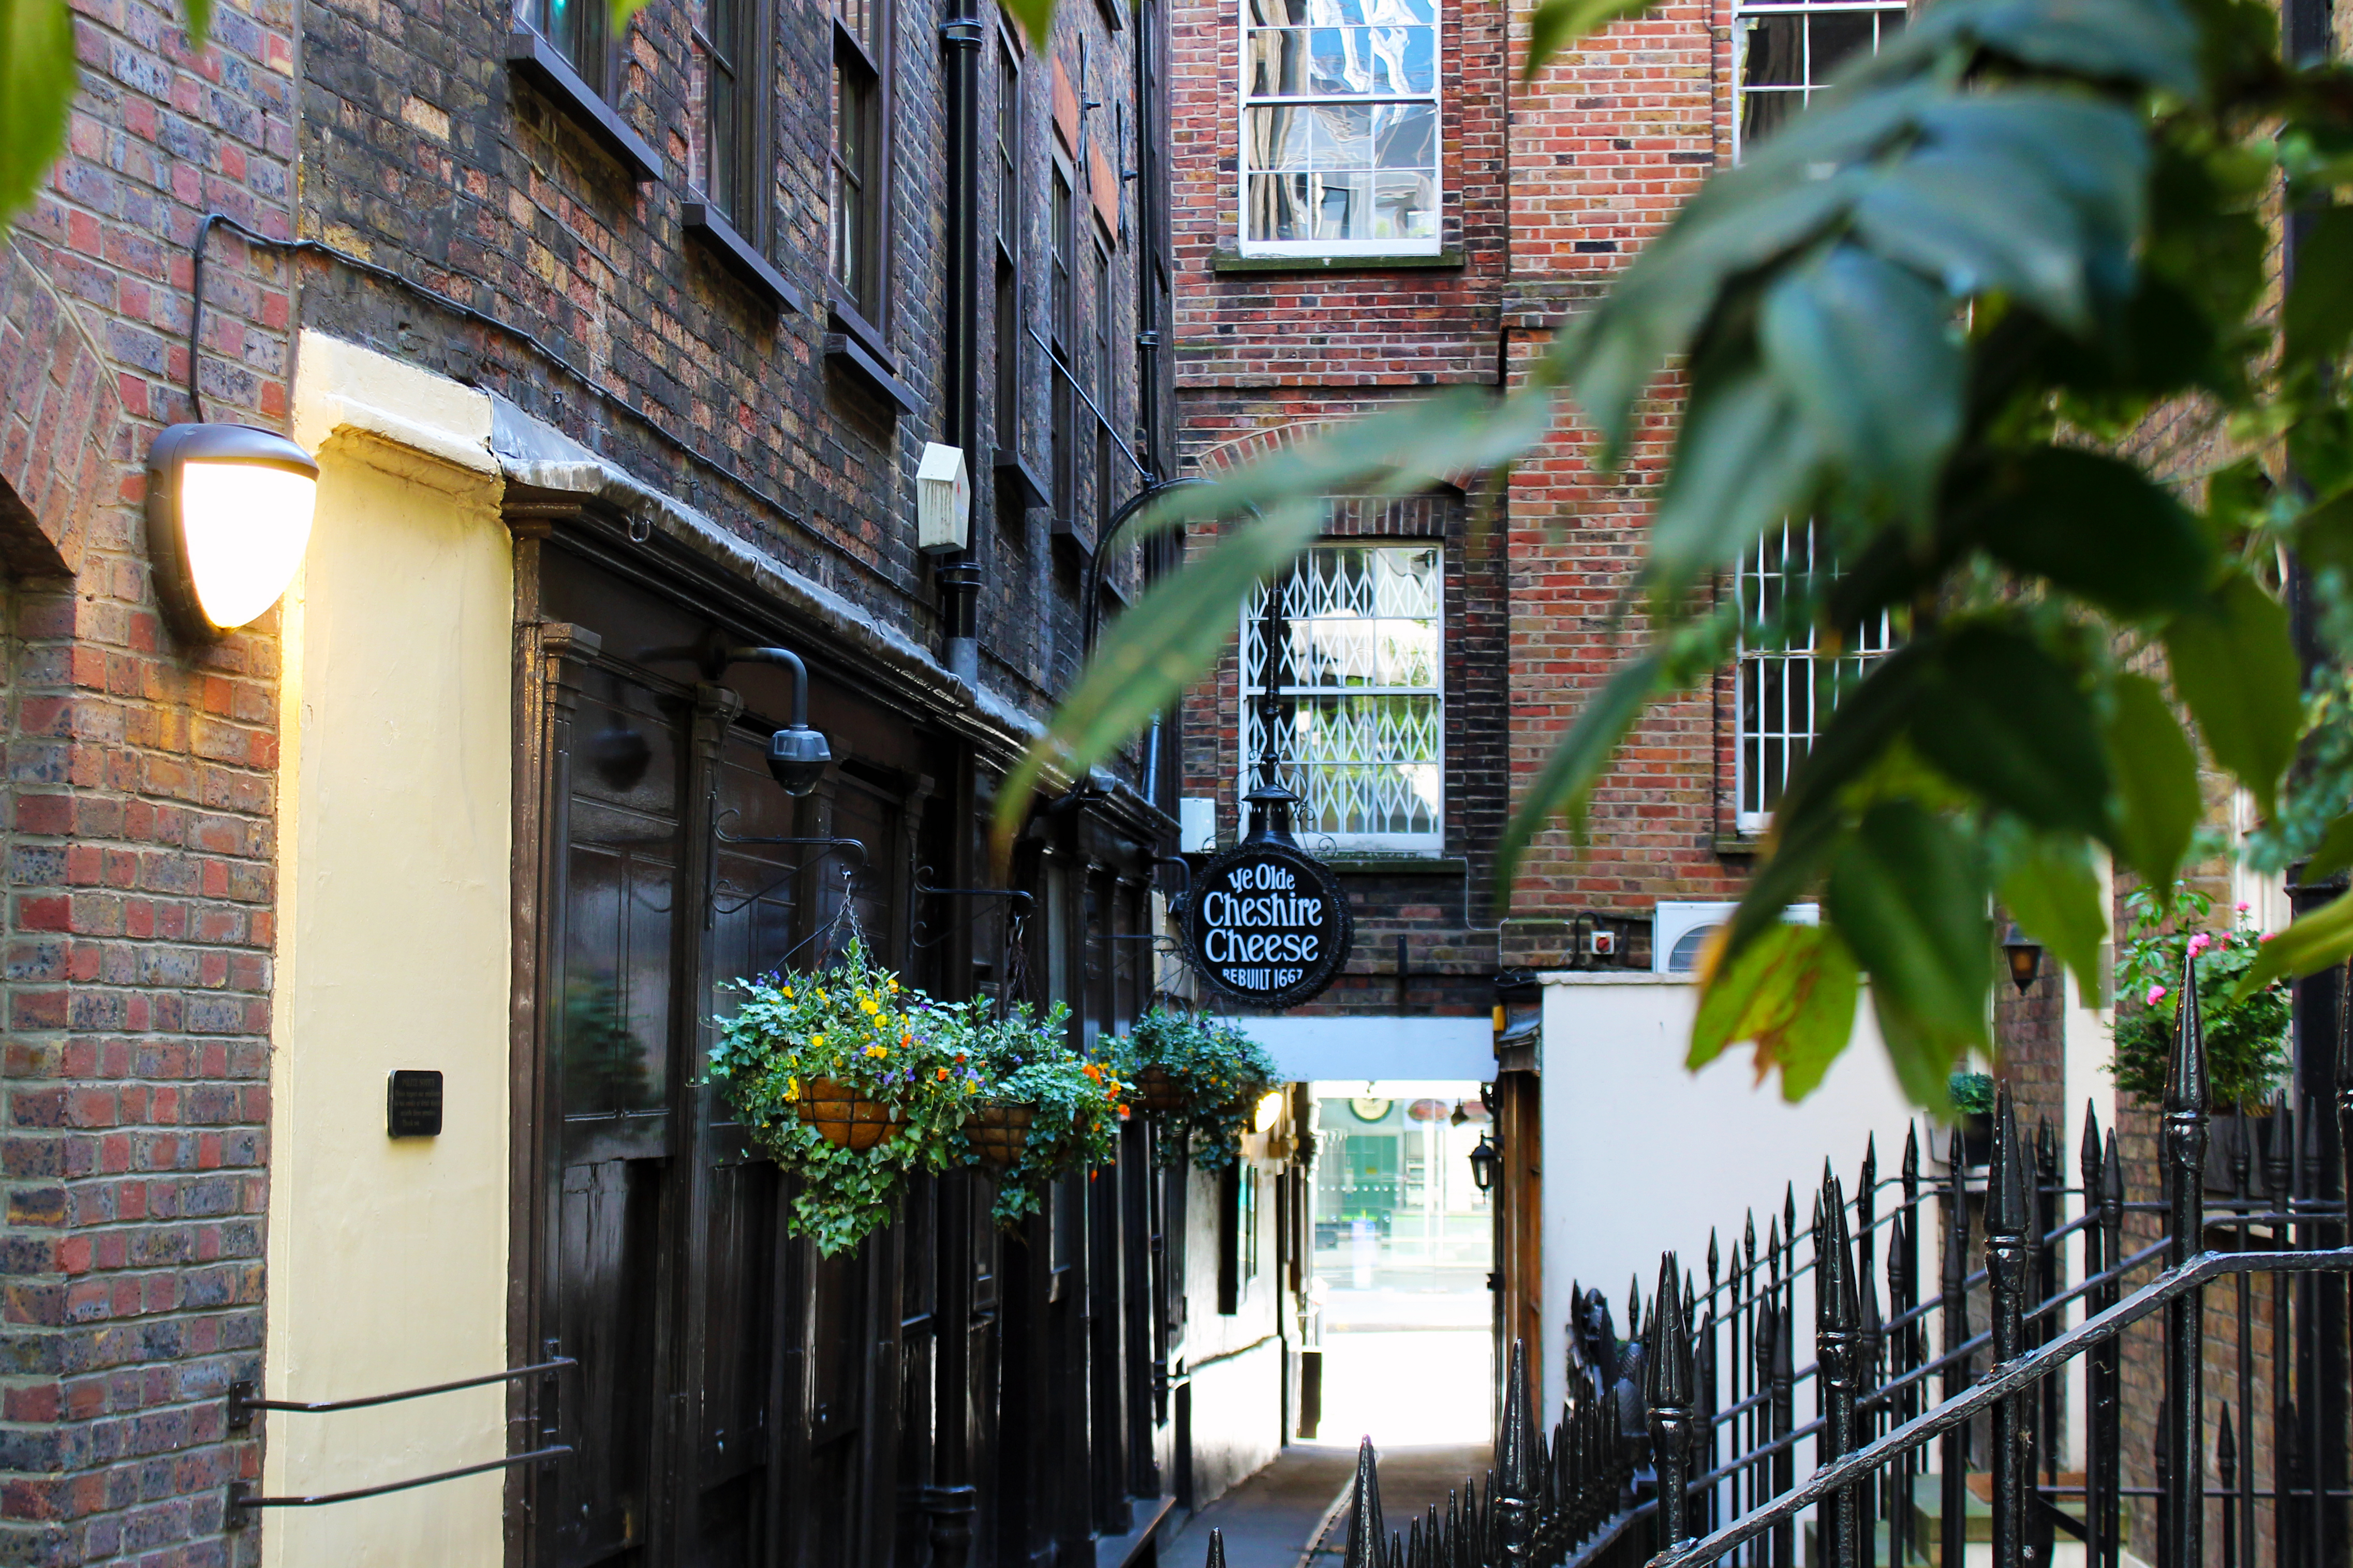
(923, 889)
(829, 845)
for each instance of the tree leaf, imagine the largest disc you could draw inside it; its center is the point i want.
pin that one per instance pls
(198, 23)
(1865, 350)
(2097, 527)
(38, 79)
(2335, 854)
(1566, 784)
(1744, 461)
(2316, 321)
(1909, 896)
(1151, 654)
(2048, 884)
(2316, 940)
(2005, 718)
(2233, 664)
(1978, 223)
(1792, 993)
(2148, 41)
(1035, 17)
(2155, 775)
(1554, 24)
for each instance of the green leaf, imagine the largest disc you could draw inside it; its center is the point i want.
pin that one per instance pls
(2005, 718)
(1978, 224)
(1792, 993)
(1172, 636)
(1566, 784)
(1554, 24)
(1744, 461)
(37, 79)
(198, 23)
(1907, 895)
(2335, 854)
(2316, 940)
(2096, 527)
(2155, 775)
(2148, 41)
(2050, 887)
(2316, 321)
(2233, 664)
(1801, 846)
(1035, 17)
(1866, 351)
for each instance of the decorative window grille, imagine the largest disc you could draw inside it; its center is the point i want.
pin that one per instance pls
(1785, 49)
(1339, 127)
(1786, 693)
(1363, 701)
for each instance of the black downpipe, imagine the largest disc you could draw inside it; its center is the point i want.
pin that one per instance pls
(952, 1501)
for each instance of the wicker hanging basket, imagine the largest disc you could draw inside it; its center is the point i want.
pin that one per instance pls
(999, 1134)
(1156, 1091)
(843, 1116)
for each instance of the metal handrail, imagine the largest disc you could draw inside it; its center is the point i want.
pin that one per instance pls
(242, 1404)
(2000, 1382)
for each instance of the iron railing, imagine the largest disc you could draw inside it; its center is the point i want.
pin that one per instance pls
(1679, 1445)
(243, 1403)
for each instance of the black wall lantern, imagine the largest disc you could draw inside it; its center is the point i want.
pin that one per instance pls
(2025, 956)
(229, 516)
(1483, 1160)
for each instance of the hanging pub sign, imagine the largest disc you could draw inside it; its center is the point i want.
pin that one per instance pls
(1268, 924)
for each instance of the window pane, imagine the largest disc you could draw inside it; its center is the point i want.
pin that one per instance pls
(1785, 696)
(1773, 51)
(1832, 38)
(1349, 61)
(846, 198)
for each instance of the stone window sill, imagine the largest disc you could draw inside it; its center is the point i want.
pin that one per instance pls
(853, 355)
(705, 222)
(537, 61)
(1450, 260)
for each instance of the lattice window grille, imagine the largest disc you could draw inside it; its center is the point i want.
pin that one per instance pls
(1362, 679)
(1786, 694)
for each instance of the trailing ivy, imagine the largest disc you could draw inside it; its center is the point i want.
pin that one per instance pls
(1076, 1105)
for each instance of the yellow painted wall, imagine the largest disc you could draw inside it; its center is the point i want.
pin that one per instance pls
(388, 1260)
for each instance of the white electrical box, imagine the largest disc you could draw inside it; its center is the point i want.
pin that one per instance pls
(1196, 825)
(1678, 930)
(943, 500)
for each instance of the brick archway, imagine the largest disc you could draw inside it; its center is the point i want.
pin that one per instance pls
(63, 439)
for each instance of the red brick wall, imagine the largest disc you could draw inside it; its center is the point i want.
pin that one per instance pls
(139, 835)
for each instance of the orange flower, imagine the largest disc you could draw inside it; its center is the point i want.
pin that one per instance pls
(943, 1073)
(1092, 1071)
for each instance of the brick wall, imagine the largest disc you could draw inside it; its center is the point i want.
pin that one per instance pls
(141, 792)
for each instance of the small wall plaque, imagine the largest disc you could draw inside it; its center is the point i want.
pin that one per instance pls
(413, 1104)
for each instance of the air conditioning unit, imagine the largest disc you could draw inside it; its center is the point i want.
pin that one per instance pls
(1678, 930)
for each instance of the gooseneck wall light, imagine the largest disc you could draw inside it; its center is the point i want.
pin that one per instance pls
(797, 755)
(228, 515)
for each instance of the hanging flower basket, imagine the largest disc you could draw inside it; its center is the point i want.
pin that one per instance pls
(845, 1118)
(853, 1083)
(1000, 1134)
(1202, 1076)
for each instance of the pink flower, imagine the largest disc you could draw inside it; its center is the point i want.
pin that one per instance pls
(2267, 936)
(2155, 994)
(2199, 943)
(2241, 906)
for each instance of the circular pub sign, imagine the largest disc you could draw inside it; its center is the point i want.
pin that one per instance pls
(1268, 924)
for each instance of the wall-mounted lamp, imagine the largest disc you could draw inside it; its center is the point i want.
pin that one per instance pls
(2025, 956)
(797, 755)
(1268, 1111)
(228, 514)
(1483, 1160)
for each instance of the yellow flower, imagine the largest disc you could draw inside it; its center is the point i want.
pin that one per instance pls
(788, 992)
(817, 1042)
(792, 1089)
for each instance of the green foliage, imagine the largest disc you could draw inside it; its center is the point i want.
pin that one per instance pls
(1910, 315)
(1076, 1105)
(1972, 1093)
(854, 1025)
(2246, 1038)
(37, 79)
(1220, 1071)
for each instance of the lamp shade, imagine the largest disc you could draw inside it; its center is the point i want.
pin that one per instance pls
(228, 515)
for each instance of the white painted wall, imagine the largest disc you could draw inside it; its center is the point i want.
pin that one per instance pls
(1640, 1156)
(1420, 1048)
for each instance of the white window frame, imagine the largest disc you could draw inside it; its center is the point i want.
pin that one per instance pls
(1802, 669)
(1247, 691)
(1429, 245)
(1745, 14)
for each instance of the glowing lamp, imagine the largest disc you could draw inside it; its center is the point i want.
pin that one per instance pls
(228, 515)
(2025, 957)
(1270, 1109)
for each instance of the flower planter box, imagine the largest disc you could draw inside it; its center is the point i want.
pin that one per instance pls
(999, 1134)
(844, 1117)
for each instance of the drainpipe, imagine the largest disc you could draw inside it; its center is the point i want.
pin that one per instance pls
(959, 575)
(952, 1501)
